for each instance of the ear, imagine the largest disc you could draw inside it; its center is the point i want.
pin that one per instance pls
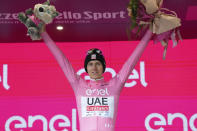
(47, 2)
(29, 11)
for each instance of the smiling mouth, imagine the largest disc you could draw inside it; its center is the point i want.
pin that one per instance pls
(94, 73)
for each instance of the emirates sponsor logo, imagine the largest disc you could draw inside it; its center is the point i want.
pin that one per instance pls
(97, 106)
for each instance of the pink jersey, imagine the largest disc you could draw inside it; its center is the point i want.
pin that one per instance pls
(97, 100)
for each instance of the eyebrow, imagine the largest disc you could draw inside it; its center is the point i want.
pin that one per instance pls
(95, 62)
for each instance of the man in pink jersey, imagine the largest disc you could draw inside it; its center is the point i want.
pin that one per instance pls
(97, 100)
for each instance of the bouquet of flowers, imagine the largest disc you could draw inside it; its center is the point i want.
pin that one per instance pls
(161, 21)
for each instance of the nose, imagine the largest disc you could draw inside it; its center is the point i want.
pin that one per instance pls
(94, 67)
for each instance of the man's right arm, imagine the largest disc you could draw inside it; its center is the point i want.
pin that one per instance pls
(61, 59)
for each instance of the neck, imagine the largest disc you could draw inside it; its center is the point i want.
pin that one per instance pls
(97, 79)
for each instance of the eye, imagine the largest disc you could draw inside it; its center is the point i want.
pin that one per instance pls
(98, 63)
(90, 64)
(41, 9)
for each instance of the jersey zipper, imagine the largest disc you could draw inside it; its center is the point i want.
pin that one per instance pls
(97, 123)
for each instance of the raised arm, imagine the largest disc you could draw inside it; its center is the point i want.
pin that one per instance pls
(134, 58)
(61, 59)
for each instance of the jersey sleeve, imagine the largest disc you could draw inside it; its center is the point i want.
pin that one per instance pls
(65, 65)
(134, 58)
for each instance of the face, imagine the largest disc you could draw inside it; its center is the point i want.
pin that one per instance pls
(95, 69)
